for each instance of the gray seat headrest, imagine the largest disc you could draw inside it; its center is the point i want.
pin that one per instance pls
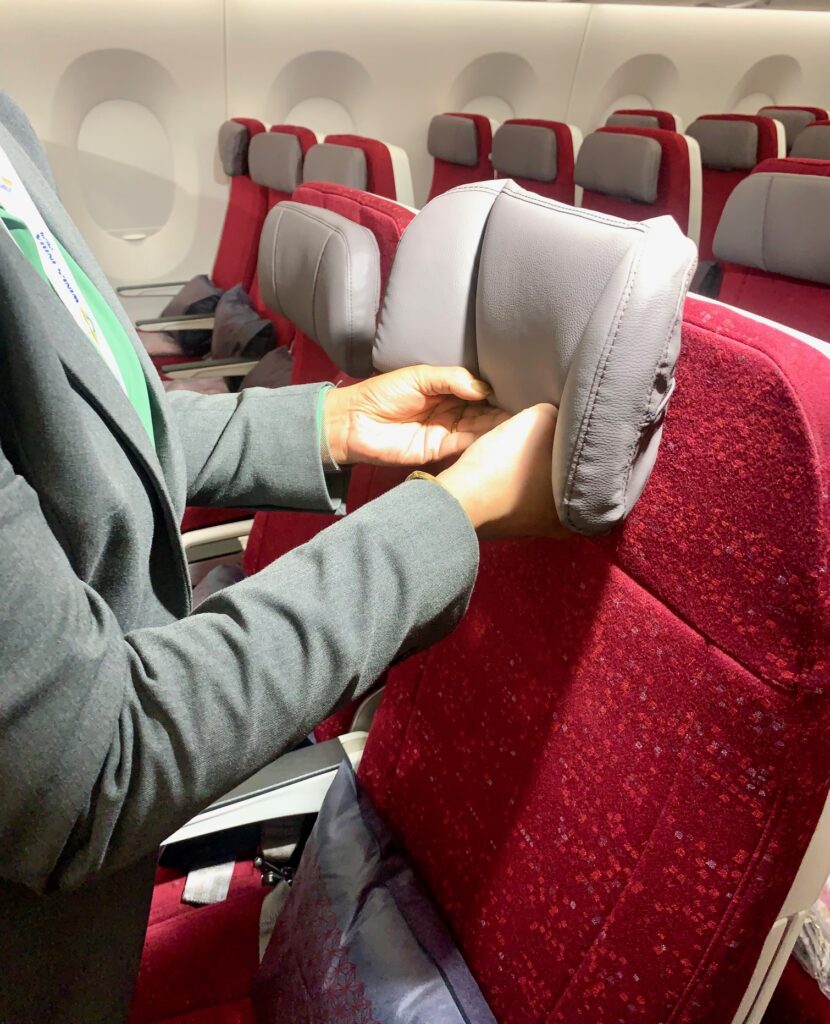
(794, 121)
(343, 165)
(234, 140)
(616, 164)
(525, 151)
(453, 139)
(726, 145)
(549, 303)
(275, 160)
(779, 223)
(633, 121)
(322, 272)
(813, 143)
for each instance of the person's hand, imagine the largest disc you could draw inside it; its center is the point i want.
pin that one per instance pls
(408, 417)
(503, 481)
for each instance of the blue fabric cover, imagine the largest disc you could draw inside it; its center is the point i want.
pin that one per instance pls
(358, 940)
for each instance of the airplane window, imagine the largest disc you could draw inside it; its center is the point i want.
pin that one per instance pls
(322, 115)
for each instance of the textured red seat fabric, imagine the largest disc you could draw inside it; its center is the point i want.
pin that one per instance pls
(677, 190)
(720, 180)
(797, 999)
(448, 172)
(543, 165)
(607, 776)
(643, 118)
(801, 304)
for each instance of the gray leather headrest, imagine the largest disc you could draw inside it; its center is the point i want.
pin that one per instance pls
(726, 145)
(344, 165)
(633, 121)
(453, 139)
(779, 223)
(525, 151)
(549, 303)
(275, 160)
(794, 121)
(621, 165)
(322, 272)
(813, 143)
(233, 148)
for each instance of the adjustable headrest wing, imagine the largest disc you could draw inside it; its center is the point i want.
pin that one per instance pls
(726, 145)
(525, 151)
(454, 139)
(779, 223)
(322, 272)
(275, 160)
(556, 304)
(620, 164)
(234, 139)
(344, 165)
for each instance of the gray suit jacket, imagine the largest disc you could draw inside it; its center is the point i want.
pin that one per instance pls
(121, 712)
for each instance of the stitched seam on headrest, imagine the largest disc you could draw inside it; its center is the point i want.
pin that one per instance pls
(770, 182)
(314, 287)
(574, 211)
(274, 259)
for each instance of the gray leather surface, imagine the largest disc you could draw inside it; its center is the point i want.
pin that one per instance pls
(726, 145)
(794, 121)
(626, 166)
(633, 121)
(233, 148)
(453, 139)
(549, 304)
(779, 223)
(344, 165)
(813, 143)
(275, 160)
(525, 151)
(322, 272)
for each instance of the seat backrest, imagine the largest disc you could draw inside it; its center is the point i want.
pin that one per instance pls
(460, 145)
(639, 173)
(608, 774)
(731, 145)
(773, 241)
(813, 142)
(235, 260)
(644, 118)
(794, 118)
(538, 155)
(354, 161)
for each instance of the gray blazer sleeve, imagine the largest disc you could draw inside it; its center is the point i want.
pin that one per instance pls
(256, 448)
(112, 741)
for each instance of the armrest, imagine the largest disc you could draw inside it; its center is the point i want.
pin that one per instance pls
(295, 783)
(209, 368)
(149, 287)
(188, 322)
(216, 541)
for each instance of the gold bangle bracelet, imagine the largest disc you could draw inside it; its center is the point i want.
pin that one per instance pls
(419, 474)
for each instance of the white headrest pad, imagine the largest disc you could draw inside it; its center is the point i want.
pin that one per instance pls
(525, 151)
(555, 304)
(813, 142)
(454, 139)
(322, 272)
(343, 165)
(617, 164)
(779, 223)
(726, 145)
(233, 148)
(275, 160)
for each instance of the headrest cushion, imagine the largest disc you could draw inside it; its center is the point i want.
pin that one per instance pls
(234, 139)
(794, 120)
(779, 223)
(343, 165)
(618, 164)
(549, 303)
(525, 151)
(726, 145)
(620, 120)
(323, 276)
(453, 139)
(275, 160)
(814, 142)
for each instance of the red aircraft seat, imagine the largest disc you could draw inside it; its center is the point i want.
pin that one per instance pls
(460, 145)
(538, 155)
(794, 118)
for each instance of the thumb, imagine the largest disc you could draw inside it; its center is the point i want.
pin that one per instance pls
(451, 380)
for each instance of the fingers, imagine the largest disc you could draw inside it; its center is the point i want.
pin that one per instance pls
(450, 380)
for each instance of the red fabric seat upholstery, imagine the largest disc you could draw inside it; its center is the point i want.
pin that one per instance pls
(643, 118)
(797, 999)
(718, 183)
(447, 175)
(800, 304)
(566, 139)
(608, 774)
(678, 185)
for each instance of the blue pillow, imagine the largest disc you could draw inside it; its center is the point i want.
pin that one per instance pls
(358, 940)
